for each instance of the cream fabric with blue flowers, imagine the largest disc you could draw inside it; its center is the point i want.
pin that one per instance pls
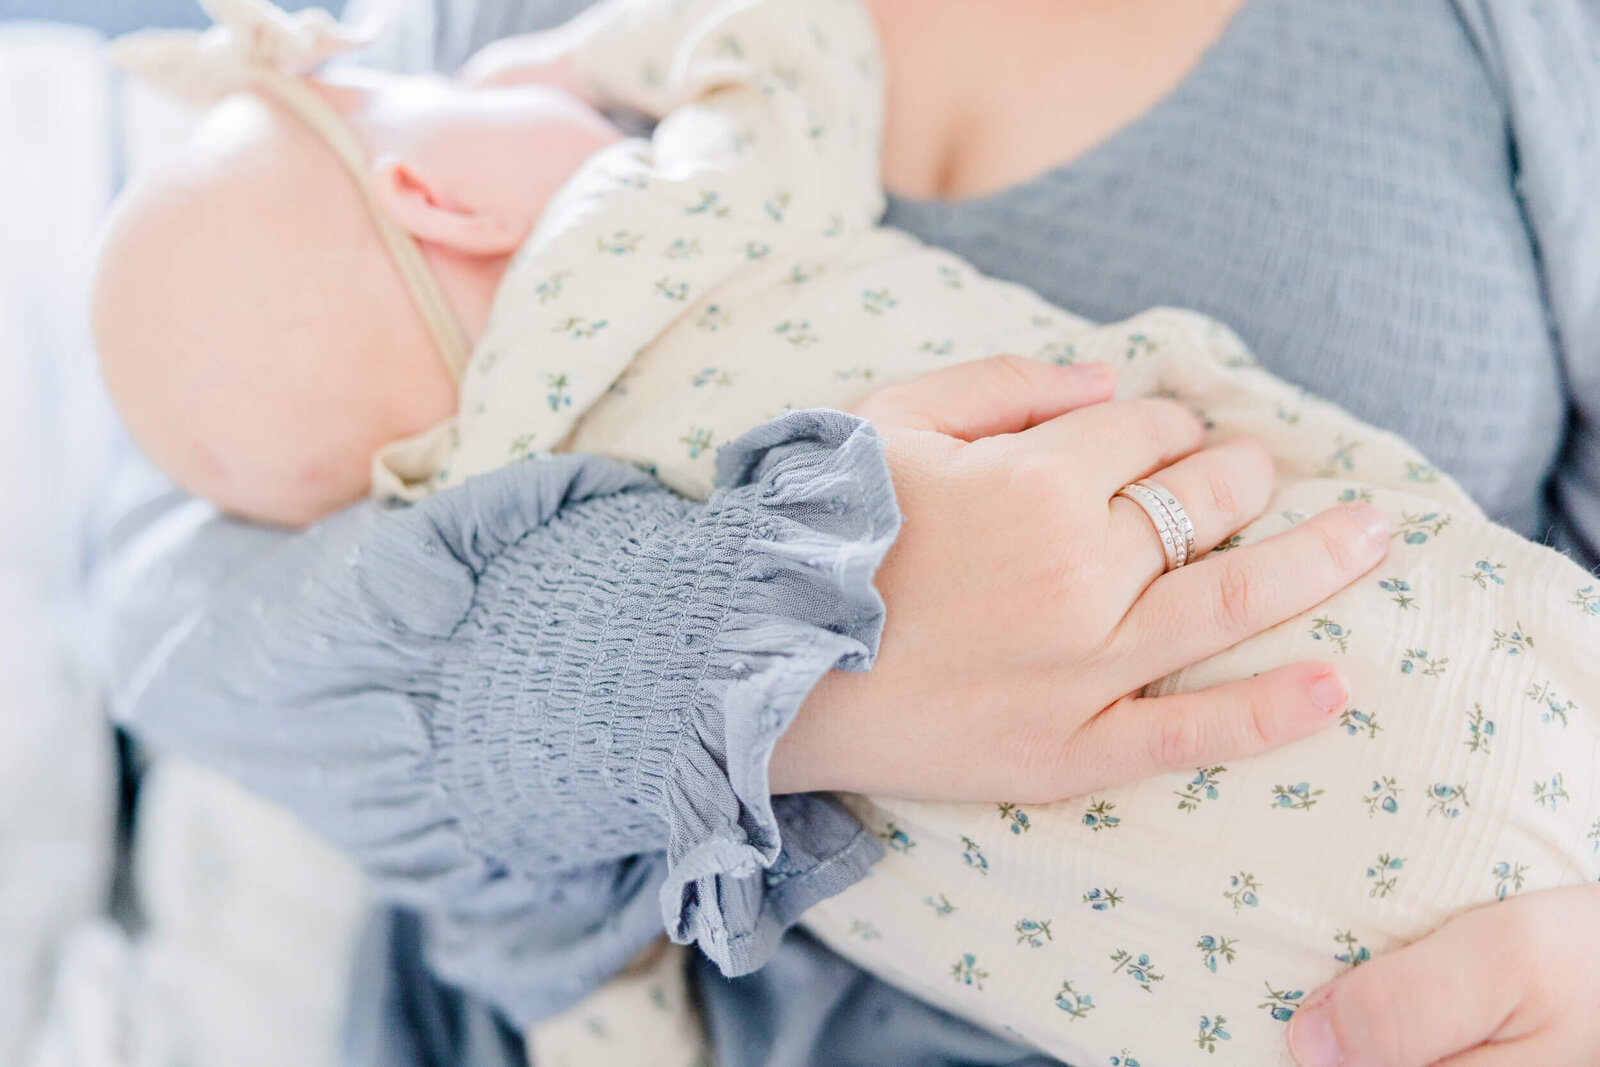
(683, 289)
(1183, 919)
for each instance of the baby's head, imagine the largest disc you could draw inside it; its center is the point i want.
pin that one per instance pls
(253, 328)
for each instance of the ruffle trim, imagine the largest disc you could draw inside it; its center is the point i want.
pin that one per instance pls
(633, 674)
(821, 519)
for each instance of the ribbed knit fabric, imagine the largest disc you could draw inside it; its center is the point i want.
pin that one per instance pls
(1336, 181)
(506, 700)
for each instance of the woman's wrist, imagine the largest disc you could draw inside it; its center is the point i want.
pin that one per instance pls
(808, 759)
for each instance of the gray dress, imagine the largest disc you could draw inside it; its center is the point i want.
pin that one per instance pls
(1392, 203)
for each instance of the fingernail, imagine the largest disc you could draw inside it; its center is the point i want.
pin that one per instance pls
(1330, 691)
(1311, 1039)
(1373, 524)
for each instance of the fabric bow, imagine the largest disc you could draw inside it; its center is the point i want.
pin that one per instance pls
(252, 39)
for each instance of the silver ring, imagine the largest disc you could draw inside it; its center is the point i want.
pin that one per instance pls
(1175, 509)
(1172, 523)
(1172, 542)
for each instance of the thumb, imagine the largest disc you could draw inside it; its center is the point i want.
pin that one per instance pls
(1001, 394)
(1448, 992)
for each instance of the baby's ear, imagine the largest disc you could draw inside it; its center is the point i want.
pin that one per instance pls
(430, 214)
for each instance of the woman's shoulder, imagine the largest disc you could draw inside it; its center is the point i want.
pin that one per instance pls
(1546, 52)
(1544, 58)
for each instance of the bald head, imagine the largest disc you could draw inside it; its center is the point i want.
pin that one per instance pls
(251, 328)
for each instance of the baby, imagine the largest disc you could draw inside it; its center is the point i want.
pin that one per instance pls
(264, 322)
(652, 299)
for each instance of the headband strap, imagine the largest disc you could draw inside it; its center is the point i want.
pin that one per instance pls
(256, 46)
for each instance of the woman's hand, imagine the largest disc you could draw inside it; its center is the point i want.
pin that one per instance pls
(1513, 984)
(1027, 605)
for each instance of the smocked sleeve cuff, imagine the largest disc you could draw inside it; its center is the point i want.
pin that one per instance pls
(627, 698)
(814, 508)
(503, 698)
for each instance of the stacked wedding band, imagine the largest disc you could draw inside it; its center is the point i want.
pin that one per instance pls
(1171, 521)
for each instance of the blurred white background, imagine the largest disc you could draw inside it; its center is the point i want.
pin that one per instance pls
(58, 785)
(75, 987)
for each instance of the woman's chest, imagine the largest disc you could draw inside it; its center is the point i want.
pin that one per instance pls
(1334, 182)
(981, 97)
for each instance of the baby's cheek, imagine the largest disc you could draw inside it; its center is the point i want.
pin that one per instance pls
(422, 398)
(317, 489)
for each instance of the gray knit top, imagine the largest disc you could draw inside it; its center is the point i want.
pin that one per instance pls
(1339, 182)
(539, 709)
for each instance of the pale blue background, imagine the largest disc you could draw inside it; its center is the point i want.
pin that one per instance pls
(119, 16)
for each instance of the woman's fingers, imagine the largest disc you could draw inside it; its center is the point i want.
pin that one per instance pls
(1119, 442)
(1002, 394)
(1140, 736)
(1199, 610)
(1507, 984)
(1450, 991)
(1221, 489)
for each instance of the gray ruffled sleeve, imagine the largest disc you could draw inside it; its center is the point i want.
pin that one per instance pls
(539, 708)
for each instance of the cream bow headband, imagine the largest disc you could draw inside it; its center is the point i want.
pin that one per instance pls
(256, 46)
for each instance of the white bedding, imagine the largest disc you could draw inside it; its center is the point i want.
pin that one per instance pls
(243, 959)
(57, 784)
